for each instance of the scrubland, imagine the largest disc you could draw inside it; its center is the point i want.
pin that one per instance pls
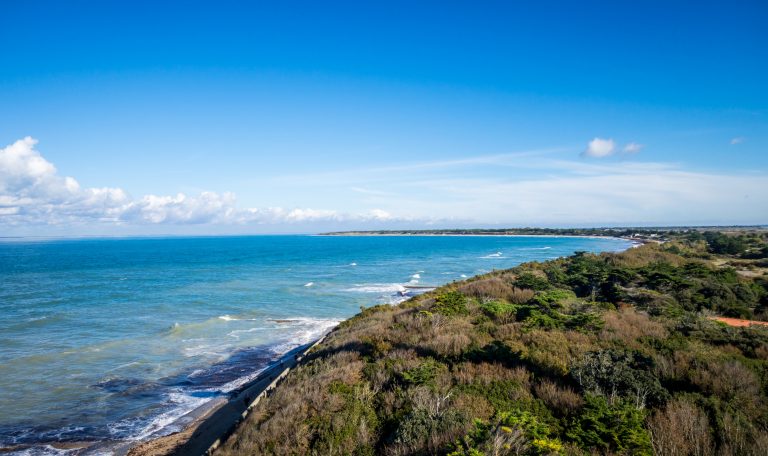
(590, 354)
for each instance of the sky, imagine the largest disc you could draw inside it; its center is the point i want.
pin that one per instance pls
(124, 118)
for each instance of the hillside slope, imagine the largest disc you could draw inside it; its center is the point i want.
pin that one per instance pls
(591, 354)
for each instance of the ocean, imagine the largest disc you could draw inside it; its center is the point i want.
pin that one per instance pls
(114, 339)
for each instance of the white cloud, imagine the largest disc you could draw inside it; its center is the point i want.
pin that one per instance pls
(633, 148)
(625, 194)
(380, 215)
(599, 148)
(32, 192)
(738, 140)
(533, 190)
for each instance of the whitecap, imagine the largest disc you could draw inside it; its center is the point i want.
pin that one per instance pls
(44, 450)
(163, 424)
(236, 333)
(307, 330)
(416, 276)
(201, 350)
(377, 288)
(231, 318)
(353, 264)
(309, 284)
(238, 382)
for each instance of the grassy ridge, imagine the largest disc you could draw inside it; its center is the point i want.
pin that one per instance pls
(591, 354)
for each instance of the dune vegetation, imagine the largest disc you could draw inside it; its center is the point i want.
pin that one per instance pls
(590, 354)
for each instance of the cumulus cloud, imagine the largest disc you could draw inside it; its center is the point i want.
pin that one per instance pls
(738, 140)
(599, 148)
(633, 148)
(32, 192)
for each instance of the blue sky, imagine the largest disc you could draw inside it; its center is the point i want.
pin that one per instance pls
(229, 117)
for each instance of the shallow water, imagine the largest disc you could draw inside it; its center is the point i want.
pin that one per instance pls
(116, 338)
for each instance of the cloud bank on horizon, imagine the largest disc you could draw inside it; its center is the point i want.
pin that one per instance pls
(35, 198)
(33, 193)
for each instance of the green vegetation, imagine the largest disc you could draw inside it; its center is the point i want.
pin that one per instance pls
(590, 354)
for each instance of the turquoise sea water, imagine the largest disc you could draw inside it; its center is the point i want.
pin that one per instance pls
(113, 339)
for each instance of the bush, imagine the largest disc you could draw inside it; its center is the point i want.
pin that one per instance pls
(423, 374)
(515, 432)
(485, 438)
(681, 428)
(451, 303)
(563, 400)
(610, 427)
(500, 311)
(723, 244)
(496, 288)
(553, 298)
(423, 432)
(630, 326)
(622, 375)
(532, 281)
(538, 319)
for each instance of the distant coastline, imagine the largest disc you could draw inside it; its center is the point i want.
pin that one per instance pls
(640, 235)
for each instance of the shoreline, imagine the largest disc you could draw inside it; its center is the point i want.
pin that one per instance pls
(215, 421)
(635, 241)
(400, 234)
(201, 428)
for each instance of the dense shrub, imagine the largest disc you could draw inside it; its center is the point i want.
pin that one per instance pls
(423, 374)
(723, 244)
(499, 310)
(451, 303)
(532, 281)
(611, 427)
(619, 375)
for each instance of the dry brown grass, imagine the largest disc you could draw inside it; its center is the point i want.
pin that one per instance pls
(279, 424)
(486, 373)
(681, 428)
(508, 331)
(643, 256)
(449, 345)
(554, 351)
(563, 400)
(474, 406)
(728, 379)
(628, 326)
(496, 288)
